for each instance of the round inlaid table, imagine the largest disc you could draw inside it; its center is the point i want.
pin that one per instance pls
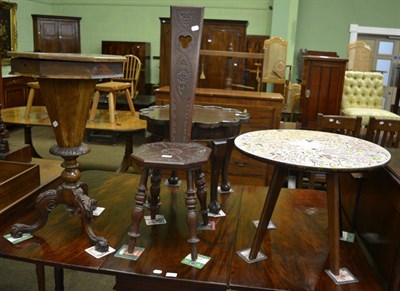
(311, 151)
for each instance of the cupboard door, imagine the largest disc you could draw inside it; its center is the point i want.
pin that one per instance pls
(56, 34)
(67, 36)
(322, 88)
(46, 36)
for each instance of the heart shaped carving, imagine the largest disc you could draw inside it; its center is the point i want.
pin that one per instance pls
(185, 40)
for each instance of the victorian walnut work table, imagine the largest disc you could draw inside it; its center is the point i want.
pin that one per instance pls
(126, 124)
(216, 125)
(310, 151)
(67, 83)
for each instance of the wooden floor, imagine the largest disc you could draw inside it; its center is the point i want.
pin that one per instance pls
(297, 249)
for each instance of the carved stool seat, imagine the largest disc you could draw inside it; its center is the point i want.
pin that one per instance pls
(171, 155)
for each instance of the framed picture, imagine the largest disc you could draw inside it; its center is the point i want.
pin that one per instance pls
(8, 30)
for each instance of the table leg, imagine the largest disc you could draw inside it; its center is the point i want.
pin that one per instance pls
(218, 153)
(40, 275)
(58, 278)
(337, 274)
(125, 164)
(225, 185)
(28, 140)
(274, 189)
(332, 184)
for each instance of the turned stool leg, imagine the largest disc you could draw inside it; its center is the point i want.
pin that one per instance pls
(111, 106)
(30, 102)
(191, 217)
(93, 110)
(129, 100)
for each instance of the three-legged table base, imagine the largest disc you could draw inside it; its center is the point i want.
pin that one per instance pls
(332, 182)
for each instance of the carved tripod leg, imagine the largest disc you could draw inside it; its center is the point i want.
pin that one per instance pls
(84, 207)
(45, 203)
(155, 192)
(137, 213)
(201, 192)
(190, 201)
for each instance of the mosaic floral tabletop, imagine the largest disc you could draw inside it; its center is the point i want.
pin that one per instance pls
(312, 150)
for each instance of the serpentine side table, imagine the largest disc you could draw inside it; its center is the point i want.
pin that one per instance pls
(311, 151)
(67, 83)
(217, 125)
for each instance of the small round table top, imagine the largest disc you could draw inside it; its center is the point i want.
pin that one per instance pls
(312, 150)
(203, 116)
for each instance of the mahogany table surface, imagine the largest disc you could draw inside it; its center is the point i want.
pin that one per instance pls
(297, 250)
(209, 122)
(126, 122)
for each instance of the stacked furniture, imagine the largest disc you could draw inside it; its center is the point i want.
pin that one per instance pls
(359, 54)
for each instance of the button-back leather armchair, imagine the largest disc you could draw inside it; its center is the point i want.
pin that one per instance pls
(363, 96)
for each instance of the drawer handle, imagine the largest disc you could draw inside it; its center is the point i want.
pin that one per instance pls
(241, 163)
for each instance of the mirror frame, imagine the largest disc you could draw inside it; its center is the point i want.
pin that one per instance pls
(8, 30)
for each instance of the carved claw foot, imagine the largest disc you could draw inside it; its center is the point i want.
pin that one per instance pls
(214, 207)
(101, 245)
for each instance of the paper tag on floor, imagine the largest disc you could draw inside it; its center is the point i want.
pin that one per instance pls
(98, 211)
(219, 214)
(15, 240)
(199, 263)
(347, 236)
(244, 254)
(159, 220)
(271, 225)
(209, 226)
(123, 253)
(97, 254)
